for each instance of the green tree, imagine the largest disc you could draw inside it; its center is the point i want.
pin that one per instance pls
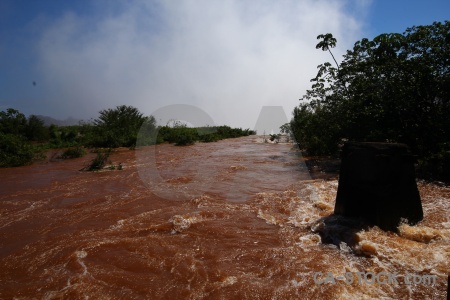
(395, 87)
(118, 127)
(147, 134)
(35, 129)
(12, 122)
(327, 42)
(15, 151)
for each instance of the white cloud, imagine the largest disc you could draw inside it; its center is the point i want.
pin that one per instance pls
(229, 58)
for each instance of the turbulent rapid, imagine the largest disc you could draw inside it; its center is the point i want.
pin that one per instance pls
(235, 219)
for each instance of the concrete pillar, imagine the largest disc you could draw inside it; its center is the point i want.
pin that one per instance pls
(377, 182)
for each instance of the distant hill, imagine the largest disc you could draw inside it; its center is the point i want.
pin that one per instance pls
(67, 122)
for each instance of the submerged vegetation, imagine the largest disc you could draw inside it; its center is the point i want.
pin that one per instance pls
(394, 88)
(99, 161)
(74, 152)
(23, 140)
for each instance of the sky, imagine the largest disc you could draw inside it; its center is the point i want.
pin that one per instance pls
(228, 58)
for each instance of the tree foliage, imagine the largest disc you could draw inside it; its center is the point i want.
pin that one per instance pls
(181, 135)
(15, 151)
(35, 129)
(119, 127)
(395, 87)
(15, 136)
(23, 140)
(12, 122)
(398, 90)
(327, 42)
(99, 161)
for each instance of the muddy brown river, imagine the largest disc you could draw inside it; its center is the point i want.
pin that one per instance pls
(235, 219)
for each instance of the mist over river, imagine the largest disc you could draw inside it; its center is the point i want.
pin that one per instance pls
(234, 219)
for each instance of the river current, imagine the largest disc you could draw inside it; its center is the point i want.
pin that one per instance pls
(234, 219)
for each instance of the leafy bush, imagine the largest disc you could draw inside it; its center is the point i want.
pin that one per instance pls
(437, 165)
(35, 129)
(119, 127)
(15, 151)
(99, 161)
(208, 138)
(73, 153)
(184, 136)
(13, 122)
(64, 136)
(147, 134)
(181, 135)
(275, 137)
(207, 134)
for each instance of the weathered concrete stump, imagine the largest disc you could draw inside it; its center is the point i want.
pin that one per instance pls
(377, 183)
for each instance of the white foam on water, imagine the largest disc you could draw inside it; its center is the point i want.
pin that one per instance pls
(118, 225)
(279, 265)
(230, 280)
(80, 255)
(183, 222)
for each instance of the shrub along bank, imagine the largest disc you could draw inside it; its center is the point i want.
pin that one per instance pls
(23, 140)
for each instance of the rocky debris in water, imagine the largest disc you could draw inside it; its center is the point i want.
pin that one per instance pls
(180, 223)
(336, 230)
(377, 182)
